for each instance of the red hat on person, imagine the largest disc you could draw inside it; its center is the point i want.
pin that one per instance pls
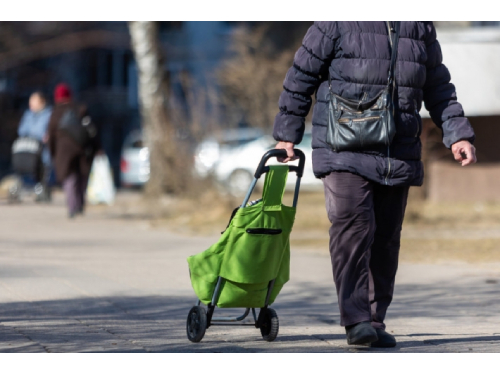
(62, 93)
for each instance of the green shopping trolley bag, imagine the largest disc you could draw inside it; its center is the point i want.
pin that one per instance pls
(250, 263)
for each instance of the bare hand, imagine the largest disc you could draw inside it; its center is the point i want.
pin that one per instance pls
(288, 146)
(464, 153)
(45, 138)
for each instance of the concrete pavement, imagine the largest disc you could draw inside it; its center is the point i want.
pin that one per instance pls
(101, 283)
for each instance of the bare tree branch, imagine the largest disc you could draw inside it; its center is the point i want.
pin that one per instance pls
(252, 80)
(22, 54)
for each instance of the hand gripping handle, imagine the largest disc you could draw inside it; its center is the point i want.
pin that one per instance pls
(277, 153)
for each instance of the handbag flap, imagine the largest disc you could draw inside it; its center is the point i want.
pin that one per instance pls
(361, 105)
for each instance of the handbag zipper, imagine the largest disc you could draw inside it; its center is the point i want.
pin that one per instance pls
(346, 120)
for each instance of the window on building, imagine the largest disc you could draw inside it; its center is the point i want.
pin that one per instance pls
(170, 26)
(127, 59)
(108, 68)
(92, 68)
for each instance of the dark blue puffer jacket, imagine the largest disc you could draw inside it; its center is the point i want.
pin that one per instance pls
(357, 57)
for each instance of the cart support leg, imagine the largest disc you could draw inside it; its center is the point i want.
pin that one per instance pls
(263, 310)
(269, 291)
(215, 298)
(254, 315)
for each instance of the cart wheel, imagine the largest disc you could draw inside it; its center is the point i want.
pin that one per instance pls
(196, 324)
(270, 325)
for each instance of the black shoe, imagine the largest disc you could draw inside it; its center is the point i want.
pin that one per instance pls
(385, 340)
(361, 334)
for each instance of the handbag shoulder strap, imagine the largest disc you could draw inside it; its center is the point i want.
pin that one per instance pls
(394, 41)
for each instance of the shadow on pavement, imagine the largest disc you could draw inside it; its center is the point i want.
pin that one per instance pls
(308, 320)
(124, 324)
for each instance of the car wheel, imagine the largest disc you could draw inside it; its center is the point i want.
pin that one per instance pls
(239, 182)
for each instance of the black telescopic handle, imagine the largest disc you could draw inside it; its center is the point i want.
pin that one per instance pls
(281, 153)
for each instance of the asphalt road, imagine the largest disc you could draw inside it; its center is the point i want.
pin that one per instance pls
(105, 284)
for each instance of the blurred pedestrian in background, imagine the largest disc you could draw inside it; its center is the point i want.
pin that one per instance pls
(34, 124)
(359, 83)
(73, 141)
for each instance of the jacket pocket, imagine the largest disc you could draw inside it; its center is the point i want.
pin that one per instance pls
(264, 231)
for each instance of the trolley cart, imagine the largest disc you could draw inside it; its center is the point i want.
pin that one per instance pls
(250, 263)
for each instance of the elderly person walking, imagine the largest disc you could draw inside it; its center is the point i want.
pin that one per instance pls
(73, 144)
(370, 79)
(34, 124)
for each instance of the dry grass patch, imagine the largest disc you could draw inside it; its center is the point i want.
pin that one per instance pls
(466, 250)
(431, 232)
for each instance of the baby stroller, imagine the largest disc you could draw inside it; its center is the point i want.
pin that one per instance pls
(27, 162)
(250, 263)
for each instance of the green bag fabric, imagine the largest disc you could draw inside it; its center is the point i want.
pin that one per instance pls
(247, 262)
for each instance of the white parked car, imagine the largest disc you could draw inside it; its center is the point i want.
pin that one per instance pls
(236, 166)
(134, 163)
(209, 151)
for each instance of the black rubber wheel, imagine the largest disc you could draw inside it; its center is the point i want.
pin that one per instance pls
(270, 325)
(196, 324)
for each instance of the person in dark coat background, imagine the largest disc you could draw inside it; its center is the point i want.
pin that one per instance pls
(366, 191)
(72, 160)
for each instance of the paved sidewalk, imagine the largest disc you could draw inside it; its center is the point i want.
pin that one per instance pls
(98, 284)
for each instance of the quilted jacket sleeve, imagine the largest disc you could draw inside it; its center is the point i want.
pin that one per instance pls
(310, 64)
(440, 96)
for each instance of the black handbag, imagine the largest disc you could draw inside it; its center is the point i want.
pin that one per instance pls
(369, 123)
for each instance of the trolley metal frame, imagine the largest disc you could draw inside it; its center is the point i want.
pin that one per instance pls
(261, 169)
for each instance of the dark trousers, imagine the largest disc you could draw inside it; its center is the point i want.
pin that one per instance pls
(74, 187)
(365, 236)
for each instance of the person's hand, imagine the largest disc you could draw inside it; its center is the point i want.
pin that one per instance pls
(100, 152)
(45, 138)
(288, 146)
(464, 152)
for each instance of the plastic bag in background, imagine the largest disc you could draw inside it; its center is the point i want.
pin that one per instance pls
(101, 188)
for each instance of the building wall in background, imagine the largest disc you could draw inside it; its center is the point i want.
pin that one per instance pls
(450, 182)
(471, 55)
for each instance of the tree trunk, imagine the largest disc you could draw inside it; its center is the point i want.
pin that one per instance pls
(145, 44)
